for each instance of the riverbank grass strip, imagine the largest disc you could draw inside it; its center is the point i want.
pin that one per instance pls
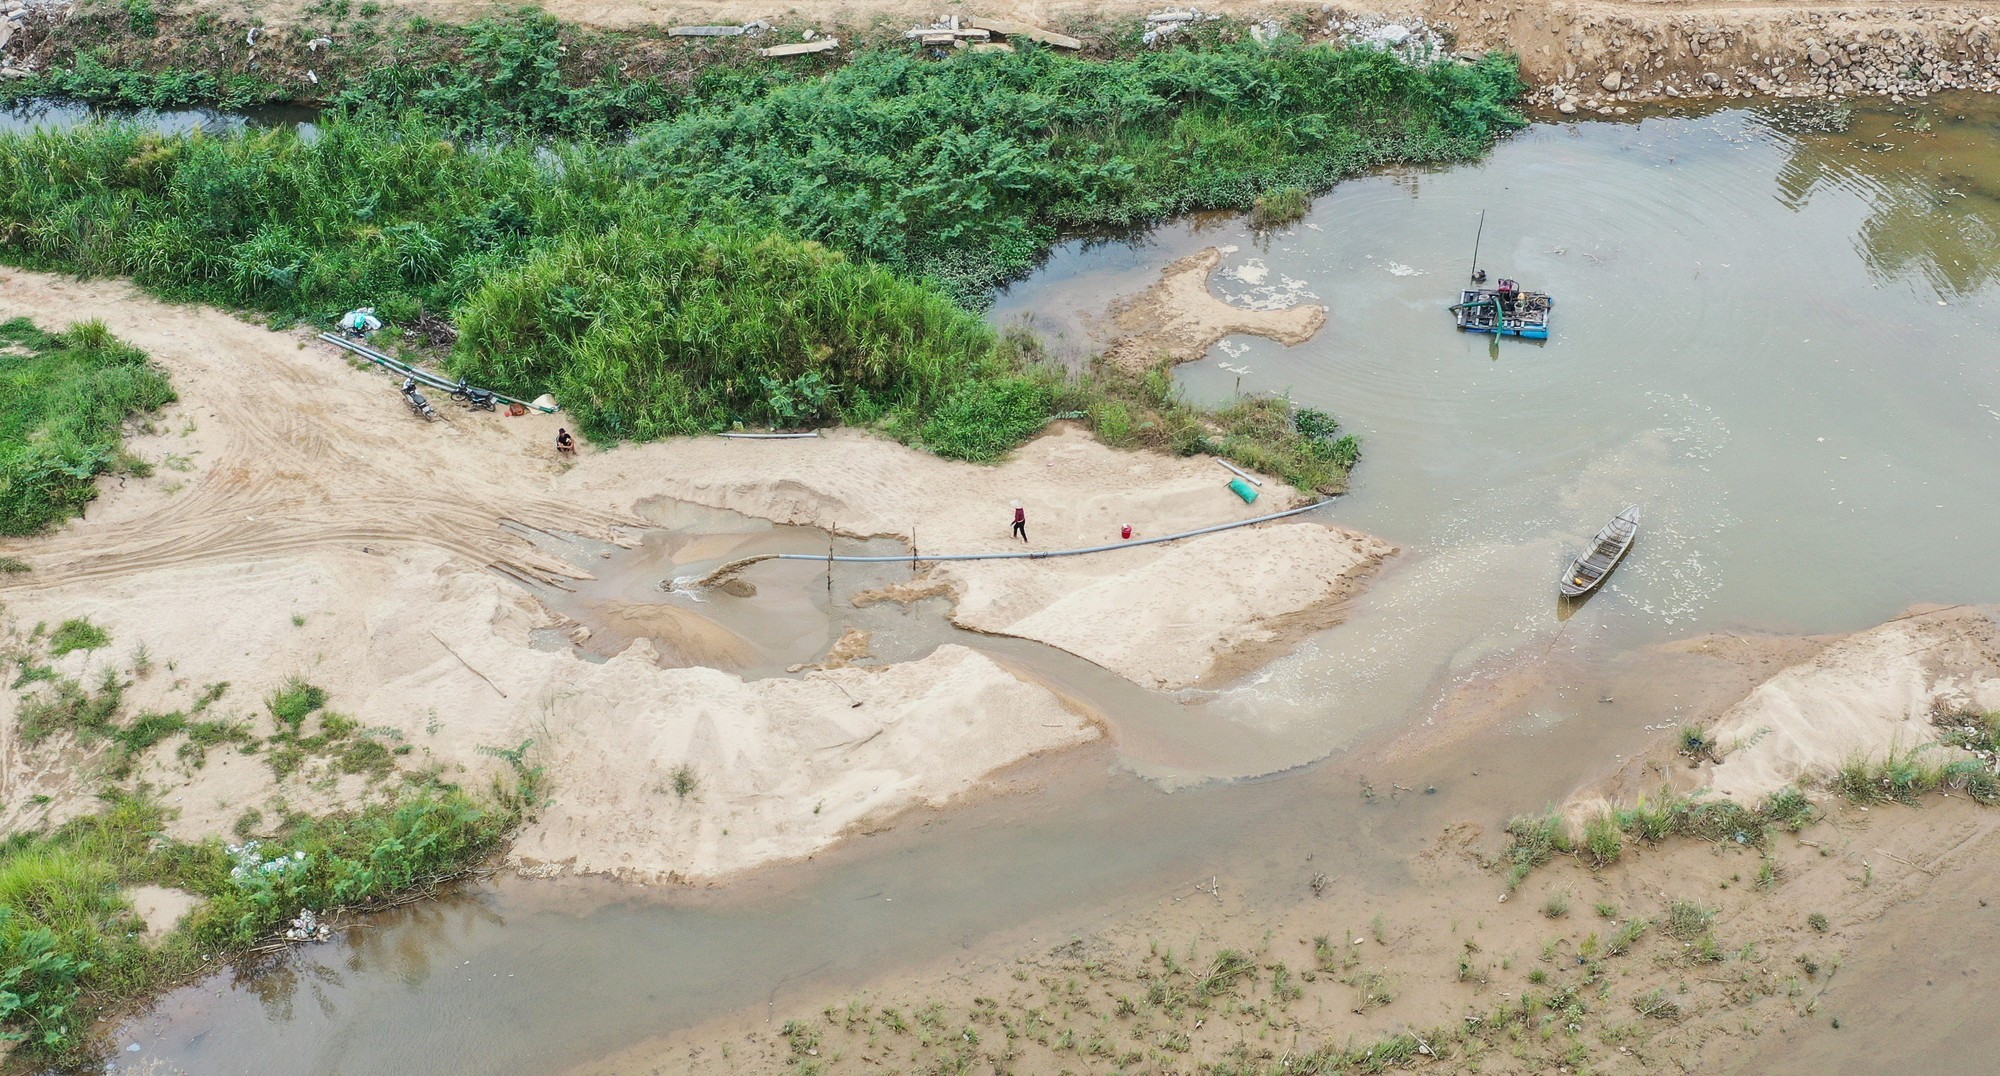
(71, 947)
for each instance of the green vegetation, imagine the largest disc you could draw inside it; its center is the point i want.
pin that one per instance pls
(89, 77)
(1901, 776)
(523, 73)
(1145, 410)
(1603, 841)
(69, 946)
(1626, 937)
(776, 250)
(1533, 841)
(64, 399)
(77, 634)
(65, 706)
(962, 171)
(1283, 206)
(512, 75)
(1673, 815)
(645, 332)
(294, 701)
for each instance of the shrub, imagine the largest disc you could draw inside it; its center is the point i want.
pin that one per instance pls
(775, 250)
(1282, 206)
(963, 170)
(68, 948)
(982, 420)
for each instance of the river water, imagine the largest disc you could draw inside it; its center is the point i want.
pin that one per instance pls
(50, 113)
(1774, 330)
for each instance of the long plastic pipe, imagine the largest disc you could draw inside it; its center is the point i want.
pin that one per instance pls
(1032, 555)
(407, 370)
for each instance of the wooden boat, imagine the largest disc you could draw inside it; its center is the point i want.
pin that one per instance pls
(1606, 550)
(1504, 309)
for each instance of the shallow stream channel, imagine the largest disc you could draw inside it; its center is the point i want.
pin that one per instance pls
(1774, 330)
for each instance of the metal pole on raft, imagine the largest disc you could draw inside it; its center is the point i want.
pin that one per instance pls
(1476, 236)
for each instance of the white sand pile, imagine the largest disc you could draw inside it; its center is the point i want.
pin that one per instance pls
(773, 769)
(1864, 696)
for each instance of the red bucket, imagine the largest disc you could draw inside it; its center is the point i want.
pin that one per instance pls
(1125, 531)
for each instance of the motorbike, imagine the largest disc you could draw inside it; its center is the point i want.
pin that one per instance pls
(418, 405)
(478, 398)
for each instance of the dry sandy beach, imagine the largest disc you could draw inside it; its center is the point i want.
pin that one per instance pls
(299, 488)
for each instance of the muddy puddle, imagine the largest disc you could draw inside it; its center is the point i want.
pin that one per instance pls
(1773, 330)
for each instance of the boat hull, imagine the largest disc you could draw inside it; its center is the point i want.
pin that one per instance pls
(1588, 572)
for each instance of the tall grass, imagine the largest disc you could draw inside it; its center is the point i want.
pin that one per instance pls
(963, 171)
(64, 399)
(778, 251)
(645, 331)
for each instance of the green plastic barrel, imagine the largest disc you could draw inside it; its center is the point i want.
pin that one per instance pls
(1242, 489)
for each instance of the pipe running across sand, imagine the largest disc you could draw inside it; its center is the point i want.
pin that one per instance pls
(734, 566)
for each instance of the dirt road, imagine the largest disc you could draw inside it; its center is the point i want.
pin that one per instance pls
(284, 449)
(1592, 54)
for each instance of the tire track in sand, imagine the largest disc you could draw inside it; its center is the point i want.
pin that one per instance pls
(299, 451)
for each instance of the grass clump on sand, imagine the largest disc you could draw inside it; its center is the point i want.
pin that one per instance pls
(1906, 774)
(77, 633)
(64, 399)
(1533, 841)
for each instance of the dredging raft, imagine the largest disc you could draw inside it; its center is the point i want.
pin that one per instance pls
(1504, 309)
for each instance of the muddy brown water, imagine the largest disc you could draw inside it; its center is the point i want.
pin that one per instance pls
(1774, 329)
